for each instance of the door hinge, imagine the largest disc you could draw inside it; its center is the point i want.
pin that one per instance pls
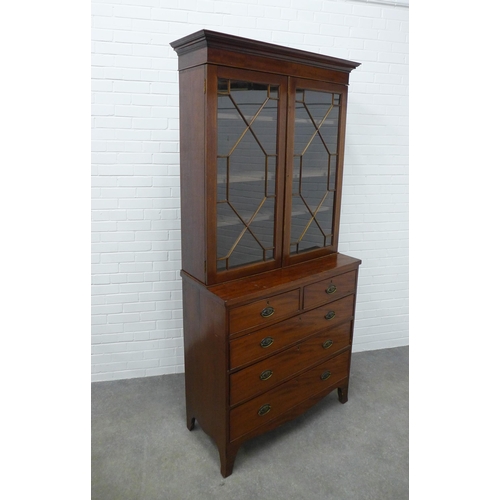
(205, 86)
(205, 266)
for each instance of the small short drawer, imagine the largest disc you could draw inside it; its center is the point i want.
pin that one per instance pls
(271, 371)
(328, 290)
(263, 311)
(271, 404)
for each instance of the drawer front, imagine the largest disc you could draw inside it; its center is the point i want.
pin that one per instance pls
(263, 408)
(330, 289)
(264, 342)
(272, 370)
(263, 311)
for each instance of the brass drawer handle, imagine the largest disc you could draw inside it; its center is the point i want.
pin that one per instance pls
(266, 342)
(330, 315)
(331, 289)
(325, 375)
(263, 410)
(266, 374)
(327, 344)
(267, 312)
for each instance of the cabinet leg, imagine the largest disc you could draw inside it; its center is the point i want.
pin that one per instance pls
(227, 456)
(342, 392)
(190, 423)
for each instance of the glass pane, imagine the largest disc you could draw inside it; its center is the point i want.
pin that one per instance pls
(315, 161)
(324, 215)
(314, 172)
(263, 224)
(304, 129)
(318, 104)
(246, 176)
(300, 218)
(271, 175)
(223, 86)
(228, 224)
(221, 179)
(230, 125)
(312, 240)
(264, 127)
(296, 175)
(306, 234)
(248, 251)
(330, 129)
(333, 172)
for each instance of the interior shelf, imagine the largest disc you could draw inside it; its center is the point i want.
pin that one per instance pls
(224, 221)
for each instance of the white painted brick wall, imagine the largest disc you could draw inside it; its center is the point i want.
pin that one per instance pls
(137, 307)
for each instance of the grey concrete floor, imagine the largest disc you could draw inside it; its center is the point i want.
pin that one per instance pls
(142, 450)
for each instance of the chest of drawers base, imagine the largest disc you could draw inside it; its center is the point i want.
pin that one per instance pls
(261, 351)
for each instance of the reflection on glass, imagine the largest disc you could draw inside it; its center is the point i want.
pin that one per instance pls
(314, 169)
(221, 179)
(246, 172)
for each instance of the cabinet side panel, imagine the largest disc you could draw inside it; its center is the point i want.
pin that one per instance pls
(205, 353)
(340, 170)
(192, 167)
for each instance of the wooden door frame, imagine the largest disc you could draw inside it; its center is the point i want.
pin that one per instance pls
(295, 83)
(213, 73)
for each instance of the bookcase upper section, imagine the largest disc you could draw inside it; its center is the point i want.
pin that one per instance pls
(262, 132)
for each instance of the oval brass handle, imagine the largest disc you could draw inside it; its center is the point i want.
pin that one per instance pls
(263, 410)
(266, 374)
(327, 343)
(331, 289)
(330, 315)
(325, 375)
(266, 342)
(266, 312)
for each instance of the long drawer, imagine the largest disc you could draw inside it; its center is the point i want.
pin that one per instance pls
(271, 404)
(269, 372)
(261, 343)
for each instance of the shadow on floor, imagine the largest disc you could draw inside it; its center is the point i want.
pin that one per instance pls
(142, 450)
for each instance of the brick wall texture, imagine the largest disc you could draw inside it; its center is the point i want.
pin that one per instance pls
(136, 287)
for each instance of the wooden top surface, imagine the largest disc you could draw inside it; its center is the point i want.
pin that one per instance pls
(278, 280)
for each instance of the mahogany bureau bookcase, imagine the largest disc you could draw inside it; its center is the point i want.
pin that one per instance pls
(268, 302)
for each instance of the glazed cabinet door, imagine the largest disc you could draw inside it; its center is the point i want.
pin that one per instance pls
(315, 149)
(246, 117)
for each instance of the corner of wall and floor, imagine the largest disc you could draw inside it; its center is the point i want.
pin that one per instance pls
(136, 287)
